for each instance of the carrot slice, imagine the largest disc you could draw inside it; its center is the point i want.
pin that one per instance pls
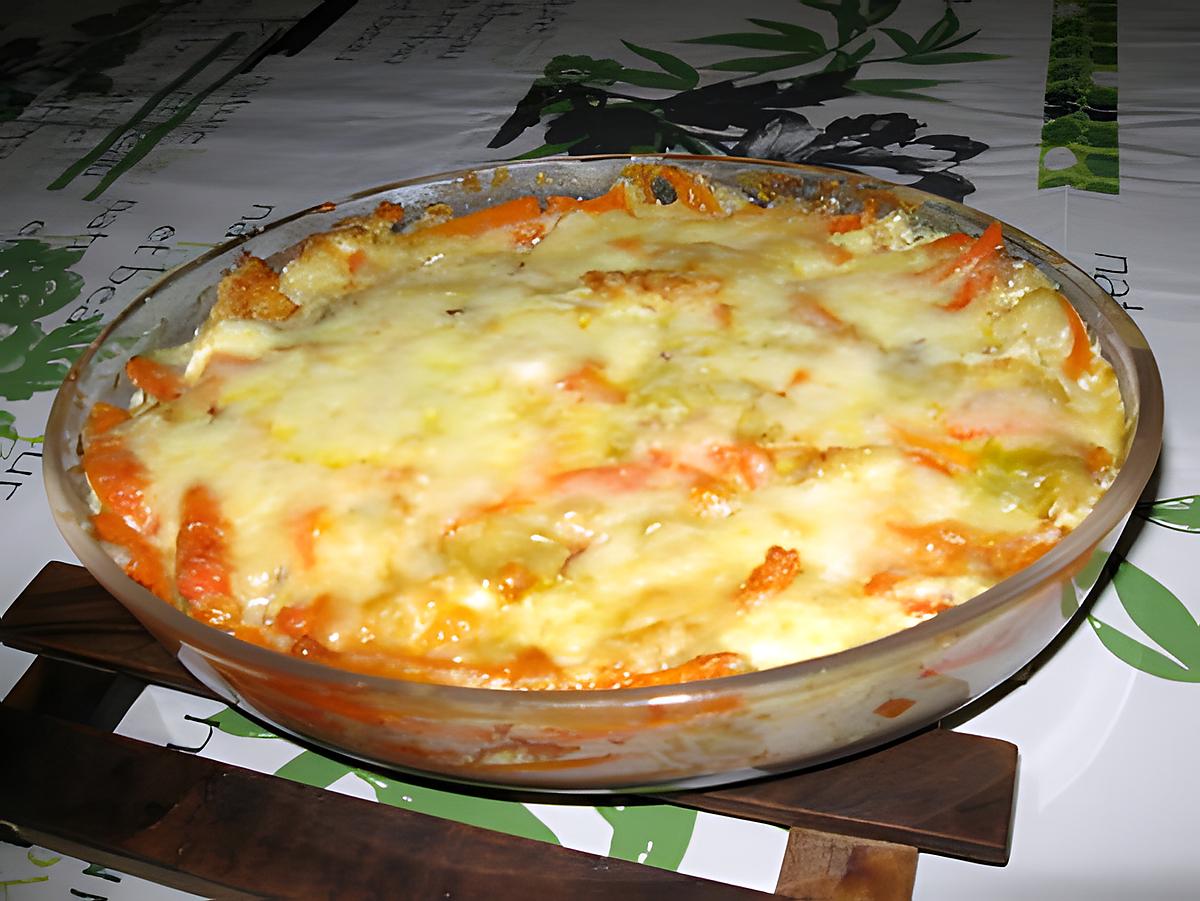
(689, 189)
(976, 282)
(985, 247)
(925, 606)
(305, 531)
(615, 198)
(311, 619)
(705, 666)
(957, 242)
(893, 707)
(602, 479)
(590, 383)
(145, 565)
(882, 582)
(202, 552)
(119, 481)
(102, 418)
(847, 222)
(941, 454)
(777, 571)
(389, 212)
(158, 381)
(519, 212)
(975, 263)
(949, 548)
(1079, 360)
(747, 464)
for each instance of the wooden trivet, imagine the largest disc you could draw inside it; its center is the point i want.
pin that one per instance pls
(855, 825)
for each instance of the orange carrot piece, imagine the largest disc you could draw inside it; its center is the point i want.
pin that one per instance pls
(102, 418)
(389, 212)
(145, 565)
(604, 479)
(1079, 360)
(987, 246)
(809, 310)
(925, 606)
(614, 198)
(158, 381)
(689, 189)
(311, 619)
(893, 707)
(512, 213)
(847, 222)
(837, 254)
(748, 464)
(305, 531)
(704, 666)
(976, 264)
(973, 284)
(514, 581)
(1098, 459)
(957, 242)
(777, 571)
(590, 383)
(926, 447)
(882, 582)
(202, 551)
(119, 480)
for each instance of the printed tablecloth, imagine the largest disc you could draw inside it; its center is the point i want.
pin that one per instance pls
(138, 133)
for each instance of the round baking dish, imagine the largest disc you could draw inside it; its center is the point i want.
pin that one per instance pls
(693, 734)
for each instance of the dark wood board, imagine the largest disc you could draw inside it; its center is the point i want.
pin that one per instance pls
(162, 812)
(939, 791)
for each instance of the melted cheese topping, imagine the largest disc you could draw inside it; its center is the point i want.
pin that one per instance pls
(603, 447)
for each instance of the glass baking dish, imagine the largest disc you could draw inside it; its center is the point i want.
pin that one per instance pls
(689, 735)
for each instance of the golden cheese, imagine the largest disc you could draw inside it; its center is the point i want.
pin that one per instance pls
(607, 443)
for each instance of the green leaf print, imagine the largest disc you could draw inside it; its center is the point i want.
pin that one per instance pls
(654, 834)
(1163, 618)
(681, 75)
(510, 817)
(36, 280)
(32, 361)
(41, 861)
(311, 768)
(8, 429)
(231, 722)
(1182, 514)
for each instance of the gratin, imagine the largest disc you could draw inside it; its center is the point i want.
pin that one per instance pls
(659, 435)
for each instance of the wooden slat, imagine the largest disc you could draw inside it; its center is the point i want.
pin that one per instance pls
(822, 866)
(67, 614)
(940, 791)
(159, 812)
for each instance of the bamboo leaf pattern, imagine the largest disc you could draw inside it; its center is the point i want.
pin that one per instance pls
(583, 107)
(1163, 618)
(654, 834)
(1181, 514)
(231, 722)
